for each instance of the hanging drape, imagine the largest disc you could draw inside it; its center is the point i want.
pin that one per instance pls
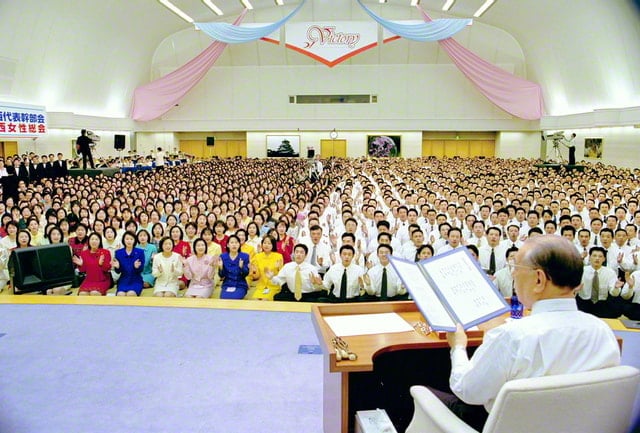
(233, 34)
(424, 32)
(154, 99)
(515, 95)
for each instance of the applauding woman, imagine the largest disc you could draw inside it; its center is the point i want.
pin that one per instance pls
(95, 262)
(150, 250)
(233, 268)
(200, 270)
(264, 265)
(167, 268)
(129, 263)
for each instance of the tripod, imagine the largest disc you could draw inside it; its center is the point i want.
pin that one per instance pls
(558, 154)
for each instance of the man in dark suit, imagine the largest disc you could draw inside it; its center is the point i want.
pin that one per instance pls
(22, 169)
(83, 143)
(60, 166)
(40, 168)
(48, 165)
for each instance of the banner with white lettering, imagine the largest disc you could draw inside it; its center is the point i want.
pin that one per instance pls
(19, 120)
(331, 42)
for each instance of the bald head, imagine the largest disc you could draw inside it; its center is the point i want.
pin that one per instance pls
(557, 257)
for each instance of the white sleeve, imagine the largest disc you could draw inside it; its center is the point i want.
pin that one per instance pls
(478, 381)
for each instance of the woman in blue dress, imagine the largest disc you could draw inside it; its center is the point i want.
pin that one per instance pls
(149, 251)
(233, 268)
(129, 263)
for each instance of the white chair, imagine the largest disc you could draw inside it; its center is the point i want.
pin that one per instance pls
(597, 401)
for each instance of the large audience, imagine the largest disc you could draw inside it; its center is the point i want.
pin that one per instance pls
(304, 230)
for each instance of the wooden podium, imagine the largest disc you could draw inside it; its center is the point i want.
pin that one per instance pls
(338, 413)
(340, 376)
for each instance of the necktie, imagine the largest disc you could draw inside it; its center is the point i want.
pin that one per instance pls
(313, 255)
(343, 285)
(492, 262)
(595, 240)
(383, 285)
(595, 288)
(606, 253)
(298, 284)
(504, 234)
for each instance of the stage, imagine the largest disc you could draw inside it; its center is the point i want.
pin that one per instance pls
(558, 166)
(107, 171)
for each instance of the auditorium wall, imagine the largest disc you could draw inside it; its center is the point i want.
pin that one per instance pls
(621, 145)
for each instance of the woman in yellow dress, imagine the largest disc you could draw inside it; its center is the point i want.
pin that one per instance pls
(267, 260)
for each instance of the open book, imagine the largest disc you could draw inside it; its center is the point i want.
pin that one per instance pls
(451, 288)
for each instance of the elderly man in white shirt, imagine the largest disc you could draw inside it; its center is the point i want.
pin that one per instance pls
(555, 339)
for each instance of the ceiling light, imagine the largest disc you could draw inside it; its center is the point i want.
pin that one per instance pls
(213, 7)
(487, 4)
(382, 1)
(246, 4)
(279, 2)
(415, 2)
(447, 5)
(173, 8)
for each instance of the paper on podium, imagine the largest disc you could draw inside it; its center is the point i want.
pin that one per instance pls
(367, 324)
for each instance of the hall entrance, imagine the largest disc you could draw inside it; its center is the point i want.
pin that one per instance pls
(329, 148)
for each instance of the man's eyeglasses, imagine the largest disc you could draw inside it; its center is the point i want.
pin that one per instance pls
(512, 266)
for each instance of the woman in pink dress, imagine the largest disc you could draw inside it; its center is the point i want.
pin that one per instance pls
(200, 269)
(95, 262)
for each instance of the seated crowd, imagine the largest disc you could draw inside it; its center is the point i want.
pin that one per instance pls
(261, 229)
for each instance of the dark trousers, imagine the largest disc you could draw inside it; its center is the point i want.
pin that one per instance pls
(632, 311)
(473, 415)
(608, 309)
(288, 296)
(398, 371)
(86, 154)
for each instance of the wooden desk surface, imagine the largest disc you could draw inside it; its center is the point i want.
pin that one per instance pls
(368, 346)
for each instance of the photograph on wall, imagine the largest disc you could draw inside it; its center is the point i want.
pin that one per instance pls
(593, 148)
(383, 146)
(283, 146)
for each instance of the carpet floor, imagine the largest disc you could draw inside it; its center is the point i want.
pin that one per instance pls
(97, 369)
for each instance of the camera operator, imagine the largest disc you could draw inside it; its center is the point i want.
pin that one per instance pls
(83, 145)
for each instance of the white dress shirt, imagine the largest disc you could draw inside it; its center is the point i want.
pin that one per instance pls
(607, 279)
(323, 251)
(288, 275)
(632, 292)
(394, 284)
(484, 257)
(504, 282)
(555, 339)
(334, 277)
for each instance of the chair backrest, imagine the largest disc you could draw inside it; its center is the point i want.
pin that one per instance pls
(597, 401)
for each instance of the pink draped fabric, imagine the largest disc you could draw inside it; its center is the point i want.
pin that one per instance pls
(515, 95)
(152, 100)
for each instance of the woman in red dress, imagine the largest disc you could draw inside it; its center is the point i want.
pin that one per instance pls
(95, 262)
(181, 247)
(284, 242)
(219, 235)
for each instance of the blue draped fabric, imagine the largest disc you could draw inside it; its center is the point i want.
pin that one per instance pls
(231, 34)
(423, 32)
